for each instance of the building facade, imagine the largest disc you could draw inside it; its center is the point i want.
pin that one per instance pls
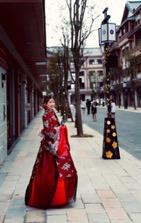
(126, 58)
(22, 62)
(91, 76)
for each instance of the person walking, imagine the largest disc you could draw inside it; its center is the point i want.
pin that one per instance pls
(94, 110)
(113, 109)
(83, 107)
(88, 105)
(53, 181)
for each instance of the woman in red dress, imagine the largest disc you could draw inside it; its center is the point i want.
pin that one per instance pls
(53, 182)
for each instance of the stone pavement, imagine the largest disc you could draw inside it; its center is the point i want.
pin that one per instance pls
(109, 191)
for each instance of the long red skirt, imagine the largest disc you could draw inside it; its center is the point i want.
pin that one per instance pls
(53, 182)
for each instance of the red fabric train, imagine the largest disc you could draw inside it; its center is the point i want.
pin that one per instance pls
(53, 182)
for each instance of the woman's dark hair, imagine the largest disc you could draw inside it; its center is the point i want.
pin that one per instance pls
(45, 100)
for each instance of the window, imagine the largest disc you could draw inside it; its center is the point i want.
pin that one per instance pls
(99, 61)
(100, 73)
(91, 61)
(81, 73)
(82, 84)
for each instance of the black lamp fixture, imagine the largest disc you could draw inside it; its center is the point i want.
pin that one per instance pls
(107, 35)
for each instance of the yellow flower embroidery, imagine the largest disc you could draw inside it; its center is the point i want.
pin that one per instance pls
(108, 122)
(112, 126)
(114, 145)
(109, 154)
(108, 140)
(114, 134)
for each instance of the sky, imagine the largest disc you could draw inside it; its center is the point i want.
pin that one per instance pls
(57, 10)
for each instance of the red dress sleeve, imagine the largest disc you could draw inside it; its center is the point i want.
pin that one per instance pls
(50, 130)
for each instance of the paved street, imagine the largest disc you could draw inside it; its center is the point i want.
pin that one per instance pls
(109, 191)
(128, 124)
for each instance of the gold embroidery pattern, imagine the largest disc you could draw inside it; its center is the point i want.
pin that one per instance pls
(114, 134)
(110, 144)
(114, 145)
(112, 126)
(108, 122)
(108, 140)
(109, 154)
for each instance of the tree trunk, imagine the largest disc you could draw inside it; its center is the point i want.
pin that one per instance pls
(68, 112)
(78, 117)
(134, 95)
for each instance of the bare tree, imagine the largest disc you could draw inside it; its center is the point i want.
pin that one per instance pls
(78, 35)
(56, 76)
(66, 70)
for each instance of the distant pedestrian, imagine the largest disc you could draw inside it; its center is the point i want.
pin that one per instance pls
(97, 101)
(109, 108)
(83, 107)
(94, 110)
(88, 105)
(113, 109)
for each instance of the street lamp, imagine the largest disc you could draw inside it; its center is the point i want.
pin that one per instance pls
(107, 34)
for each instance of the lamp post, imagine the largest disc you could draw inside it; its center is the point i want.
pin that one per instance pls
(107, 34)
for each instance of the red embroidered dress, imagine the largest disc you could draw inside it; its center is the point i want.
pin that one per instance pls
(53, 182)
